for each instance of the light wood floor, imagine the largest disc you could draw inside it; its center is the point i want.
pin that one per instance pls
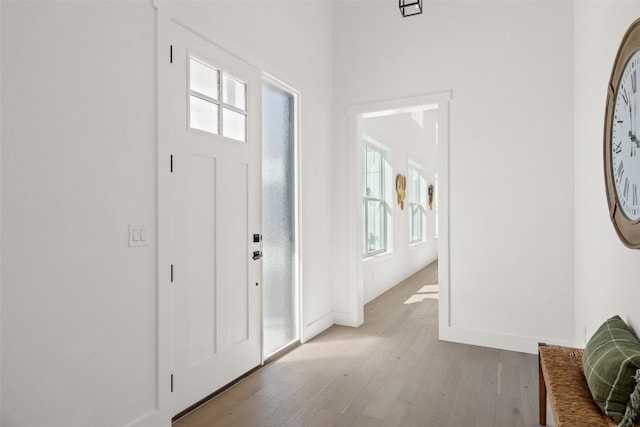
(392, 371)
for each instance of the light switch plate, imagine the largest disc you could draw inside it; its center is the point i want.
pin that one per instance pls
(138, 235)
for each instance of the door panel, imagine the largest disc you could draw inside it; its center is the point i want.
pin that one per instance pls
(215, 210)
(202, 226)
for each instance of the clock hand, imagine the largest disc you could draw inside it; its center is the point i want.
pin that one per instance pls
(634, 110)
(634, 146)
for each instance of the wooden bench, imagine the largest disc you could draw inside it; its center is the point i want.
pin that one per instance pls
(560, 375)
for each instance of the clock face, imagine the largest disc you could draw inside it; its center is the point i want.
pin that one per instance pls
(625, 140)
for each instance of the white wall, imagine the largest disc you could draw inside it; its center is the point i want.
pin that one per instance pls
(79, 308)
(606, 272)
(406, 142)
(78, 165)
(509, 66)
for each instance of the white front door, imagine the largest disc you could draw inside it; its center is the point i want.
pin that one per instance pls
(214, 141)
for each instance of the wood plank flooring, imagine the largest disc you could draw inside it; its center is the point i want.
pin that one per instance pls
(392, 371)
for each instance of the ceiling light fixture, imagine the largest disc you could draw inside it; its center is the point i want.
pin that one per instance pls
(410, 7)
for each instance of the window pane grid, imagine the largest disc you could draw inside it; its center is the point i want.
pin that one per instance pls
(234, 92)
(205, 106)
(375, 227)
(375, 215)
(416, 223)
(417, 198)
(204, 79)
(373, 179)
(203, 115)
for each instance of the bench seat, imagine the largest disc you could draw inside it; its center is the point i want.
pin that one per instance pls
(562, 378)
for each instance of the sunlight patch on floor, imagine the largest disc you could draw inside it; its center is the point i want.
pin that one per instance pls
(425, 292)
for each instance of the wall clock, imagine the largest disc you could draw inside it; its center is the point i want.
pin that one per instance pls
(622, 140)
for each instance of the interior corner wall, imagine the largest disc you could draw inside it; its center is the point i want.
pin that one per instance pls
(511, 152)
(78, 164)
(407, 143)
(606, 272)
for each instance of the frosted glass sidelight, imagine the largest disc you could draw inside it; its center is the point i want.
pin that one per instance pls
(234, 92)
(203, 115)
(234, 125)
(278, 210)
(203, 78)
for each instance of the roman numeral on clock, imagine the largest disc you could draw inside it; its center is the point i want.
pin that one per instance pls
(620, 170)
(618, 148)
(634, 82)
(634, 195)
(625, 95)
(625, 191)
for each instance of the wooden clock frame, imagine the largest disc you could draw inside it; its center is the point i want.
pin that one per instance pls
(628, 231)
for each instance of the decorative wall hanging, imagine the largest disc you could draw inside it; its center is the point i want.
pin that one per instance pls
(401, 187)
(430, 196)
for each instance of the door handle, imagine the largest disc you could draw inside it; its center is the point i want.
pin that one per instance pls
(257, 255)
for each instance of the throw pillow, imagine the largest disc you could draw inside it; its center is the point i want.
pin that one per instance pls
(611, 363)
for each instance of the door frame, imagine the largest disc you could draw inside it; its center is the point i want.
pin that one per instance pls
(170, 14)
(355, 317)
(166, 14)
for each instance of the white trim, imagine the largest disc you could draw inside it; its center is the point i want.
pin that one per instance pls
(444, 236)
(355, 316)
(163, 221)
(316, 327)
(492, 339)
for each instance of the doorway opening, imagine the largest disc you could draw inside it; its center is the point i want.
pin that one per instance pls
(417, 216)
(407, 139)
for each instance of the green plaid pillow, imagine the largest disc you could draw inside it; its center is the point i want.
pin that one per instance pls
(611, 361)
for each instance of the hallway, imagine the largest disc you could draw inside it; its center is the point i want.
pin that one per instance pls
(392, 371)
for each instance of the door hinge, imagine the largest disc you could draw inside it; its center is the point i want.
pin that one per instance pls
(171, 163)
(171, 54)
(171, 383)
(171, 273)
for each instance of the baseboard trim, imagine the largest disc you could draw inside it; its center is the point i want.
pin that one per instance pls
(315, 327)
(492, 339)
(345, 319)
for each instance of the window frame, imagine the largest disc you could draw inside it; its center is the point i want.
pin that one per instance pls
(416, 201)
(380, 200)
(218, 101)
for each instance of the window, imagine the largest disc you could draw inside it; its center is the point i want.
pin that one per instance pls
(209, 112)
(375, 222)
(417, 195)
